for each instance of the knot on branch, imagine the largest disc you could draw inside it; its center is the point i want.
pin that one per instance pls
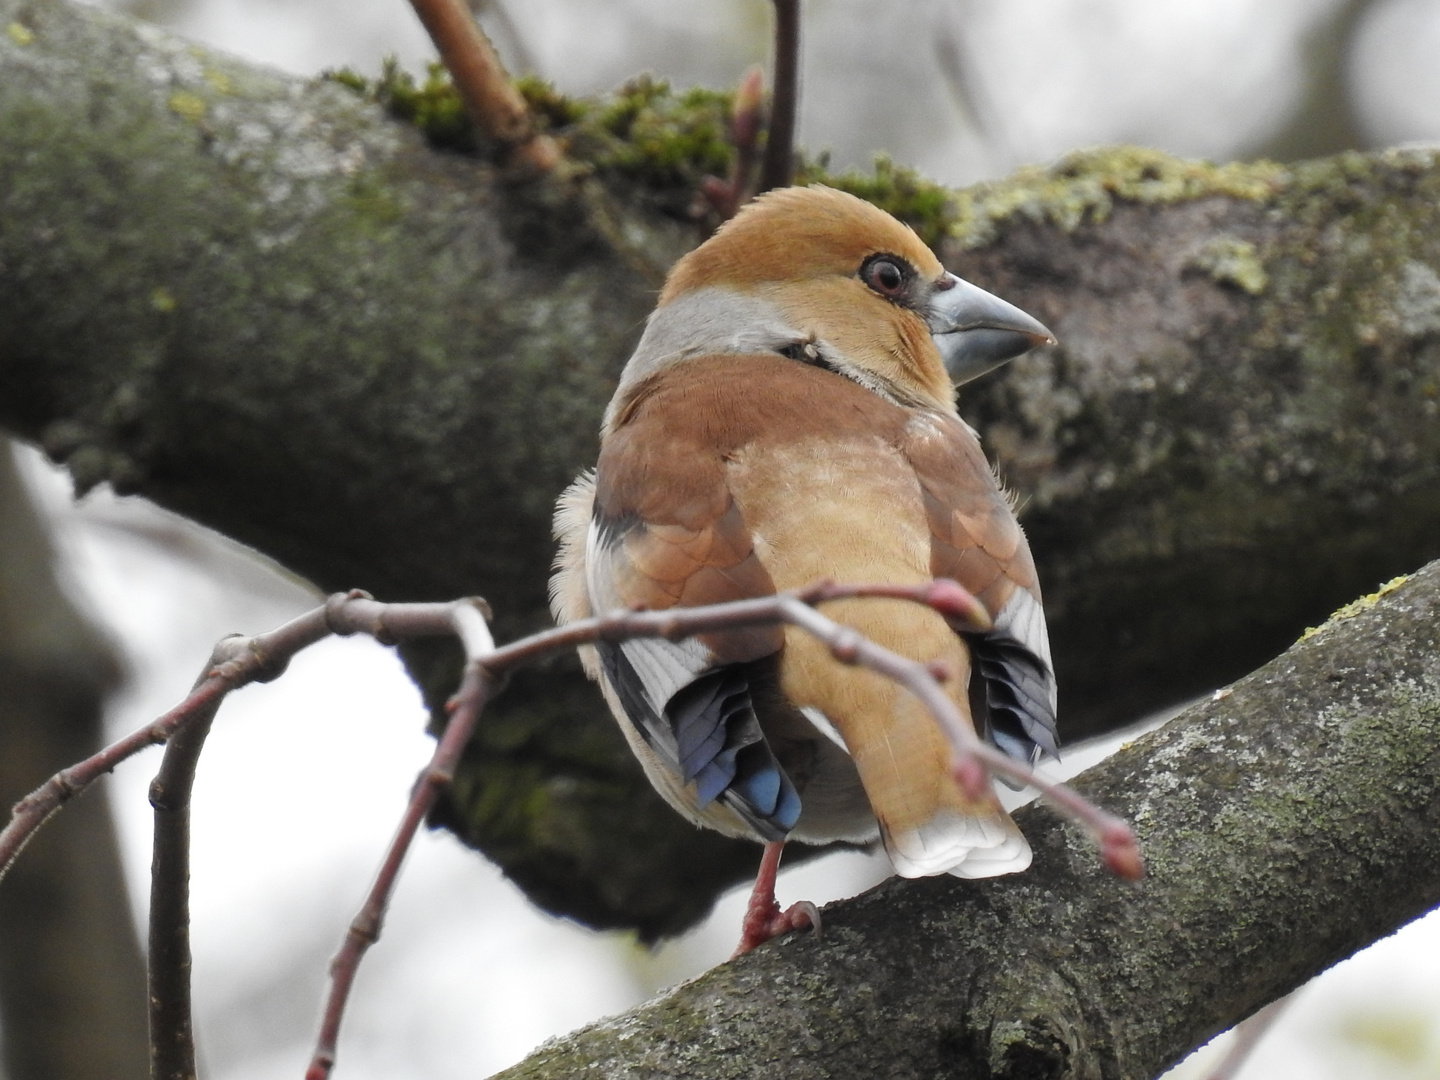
(239, 659)
(1029, 1026)
(343, 618)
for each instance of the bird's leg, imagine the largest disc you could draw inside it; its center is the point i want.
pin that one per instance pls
(763, 918)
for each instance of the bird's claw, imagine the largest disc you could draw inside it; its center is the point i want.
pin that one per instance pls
(761, 926)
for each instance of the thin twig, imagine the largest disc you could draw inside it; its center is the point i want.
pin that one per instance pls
(172, 1035)
(242, 660)
(476, 688)
(1248, 1034)
(778, 169)
(727, 196)
(490, 97)
(508, 34)
(974, 759)
(263, 658)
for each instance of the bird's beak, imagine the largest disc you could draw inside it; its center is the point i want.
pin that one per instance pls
(977, 332)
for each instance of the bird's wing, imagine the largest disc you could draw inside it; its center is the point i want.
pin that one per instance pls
(976, 540)
(667, 532)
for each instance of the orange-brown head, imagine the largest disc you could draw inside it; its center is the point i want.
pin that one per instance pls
(827, 278)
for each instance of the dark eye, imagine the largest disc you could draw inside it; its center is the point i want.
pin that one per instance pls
(885, 274)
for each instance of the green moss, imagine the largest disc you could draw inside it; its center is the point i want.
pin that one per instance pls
(927, 207)
(348, 78)
(434, 105)
(191, 106)
(1233, 261)
(646, 131)
(1085, 186)
(1355, 607)
(551, 108)
(668, 140)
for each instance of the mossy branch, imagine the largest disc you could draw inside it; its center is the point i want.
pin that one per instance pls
(1286, 824)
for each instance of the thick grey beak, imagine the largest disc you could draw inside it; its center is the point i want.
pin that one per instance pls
(976, 331)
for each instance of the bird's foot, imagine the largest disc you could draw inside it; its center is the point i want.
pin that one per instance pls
(767, 922)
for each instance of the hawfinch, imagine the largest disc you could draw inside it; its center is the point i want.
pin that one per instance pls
(789, 416)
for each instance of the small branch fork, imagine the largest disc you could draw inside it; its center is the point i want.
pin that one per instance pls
(239, 661)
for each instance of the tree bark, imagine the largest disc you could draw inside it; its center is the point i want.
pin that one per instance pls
(1285, 825)
(72, 980)
(264, 304)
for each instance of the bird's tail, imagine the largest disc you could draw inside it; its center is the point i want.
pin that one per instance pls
(928, 824)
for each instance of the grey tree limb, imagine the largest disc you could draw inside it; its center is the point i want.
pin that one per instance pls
(1285, 825)
(72, 977)
(261, 302)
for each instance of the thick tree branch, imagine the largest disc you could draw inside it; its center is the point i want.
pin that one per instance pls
(266, 306)
(72, 976)
(1285, 825)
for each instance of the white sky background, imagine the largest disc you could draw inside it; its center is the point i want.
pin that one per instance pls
(304, 779)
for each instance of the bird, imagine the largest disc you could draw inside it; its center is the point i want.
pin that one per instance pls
(789, 416)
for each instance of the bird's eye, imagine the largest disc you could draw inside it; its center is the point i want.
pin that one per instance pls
(885, 274)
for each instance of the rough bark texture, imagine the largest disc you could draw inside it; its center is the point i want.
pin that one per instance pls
(72, 981)
(261, 303)
(1285, 826)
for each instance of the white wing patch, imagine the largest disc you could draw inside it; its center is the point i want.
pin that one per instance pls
(821, 723)
(664, 667)
(1023, 619)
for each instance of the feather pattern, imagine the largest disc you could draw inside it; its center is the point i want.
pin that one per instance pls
(783, 420)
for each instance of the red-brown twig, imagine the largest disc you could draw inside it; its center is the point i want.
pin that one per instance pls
(778, 169)
(490, 97)
(261, 658)
(244, 660)
(476, 688)
(235, 662)
(238, 661)
(726, 196)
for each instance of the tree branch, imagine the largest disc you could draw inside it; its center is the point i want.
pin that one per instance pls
(72, 974)
(276, 311)
(491, 99)
(1285, 825)
(172, 1036)
(476, 688)
(778, 168)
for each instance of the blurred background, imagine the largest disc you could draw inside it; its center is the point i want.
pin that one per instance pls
(305, 778)
(960, 89)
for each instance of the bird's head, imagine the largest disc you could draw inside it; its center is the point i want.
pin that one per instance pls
(826, 278)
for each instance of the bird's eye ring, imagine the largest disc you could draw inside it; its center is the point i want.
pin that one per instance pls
(885, 274)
